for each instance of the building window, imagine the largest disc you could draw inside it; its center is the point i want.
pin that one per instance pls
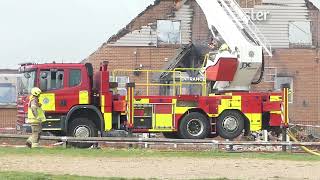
(51, 80)
(300, 33)
(74, 77)
(8, 94)
(168, 32)
(285, 80)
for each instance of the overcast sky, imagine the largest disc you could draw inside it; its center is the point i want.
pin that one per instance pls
(61, 30)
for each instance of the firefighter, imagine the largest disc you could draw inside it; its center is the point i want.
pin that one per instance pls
(224, 51)
(35, 117)
(224, 48)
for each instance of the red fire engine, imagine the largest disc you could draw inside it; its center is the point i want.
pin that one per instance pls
(81, 103)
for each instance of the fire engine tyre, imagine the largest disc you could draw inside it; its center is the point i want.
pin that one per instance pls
(82, 127)
(230, 124)
(194, 126)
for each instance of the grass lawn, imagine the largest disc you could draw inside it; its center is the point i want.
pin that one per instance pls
(4, 151)
(41, 176)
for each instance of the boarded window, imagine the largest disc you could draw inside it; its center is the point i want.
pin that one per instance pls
(168, 32)
(285, 80)
(300, 33)
(74, 77)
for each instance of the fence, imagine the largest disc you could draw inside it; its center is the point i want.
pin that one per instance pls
(147, 141)
(306, 131)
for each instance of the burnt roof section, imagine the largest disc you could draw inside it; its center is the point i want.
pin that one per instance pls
(310, 5)
(181, 53)
(128, 28)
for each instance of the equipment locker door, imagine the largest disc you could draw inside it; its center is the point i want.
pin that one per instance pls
(163, 116)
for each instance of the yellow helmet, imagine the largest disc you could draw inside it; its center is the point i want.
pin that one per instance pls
(224, 47)
(35, 91)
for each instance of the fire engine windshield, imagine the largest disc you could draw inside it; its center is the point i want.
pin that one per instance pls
(27, 82)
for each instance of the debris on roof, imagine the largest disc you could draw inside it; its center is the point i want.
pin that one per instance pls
(128, 27)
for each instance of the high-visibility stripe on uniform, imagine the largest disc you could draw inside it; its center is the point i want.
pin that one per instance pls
(31, 119)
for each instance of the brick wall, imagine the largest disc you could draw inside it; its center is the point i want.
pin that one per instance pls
(200, 31)
(131, 58)
(303, 66)
(7, 118)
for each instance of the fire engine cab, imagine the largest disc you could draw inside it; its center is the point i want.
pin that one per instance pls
(82, 103)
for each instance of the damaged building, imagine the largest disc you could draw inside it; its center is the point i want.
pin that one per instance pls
(174, 34)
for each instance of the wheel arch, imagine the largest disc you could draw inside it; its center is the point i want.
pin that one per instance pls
(199, 110)
(85, 111)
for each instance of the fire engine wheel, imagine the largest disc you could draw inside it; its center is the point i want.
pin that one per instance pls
(230, 124)
(194, 126)
(82, 127)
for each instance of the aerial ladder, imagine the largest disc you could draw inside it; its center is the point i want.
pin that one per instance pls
(246, 41)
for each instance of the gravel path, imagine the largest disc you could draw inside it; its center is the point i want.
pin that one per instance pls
(164, 168)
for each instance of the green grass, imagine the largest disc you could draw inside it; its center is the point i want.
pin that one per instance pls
(12, 175)
(71, 152)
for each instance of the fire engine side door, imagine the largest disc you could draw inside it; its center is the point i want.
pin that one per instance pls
(163, 116)
(51, 82)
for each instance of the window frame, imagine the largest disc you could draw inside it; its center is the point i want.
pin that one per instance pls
(69, 78)
(290, 35)
(49, 76)
(160, 42)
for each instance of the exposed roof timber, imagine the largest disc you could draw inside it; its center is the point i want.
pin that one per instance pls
(127, 29)
(314, 3)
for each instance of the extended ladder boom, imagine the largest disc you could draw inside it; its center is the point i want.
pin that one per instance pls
(241, 34)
